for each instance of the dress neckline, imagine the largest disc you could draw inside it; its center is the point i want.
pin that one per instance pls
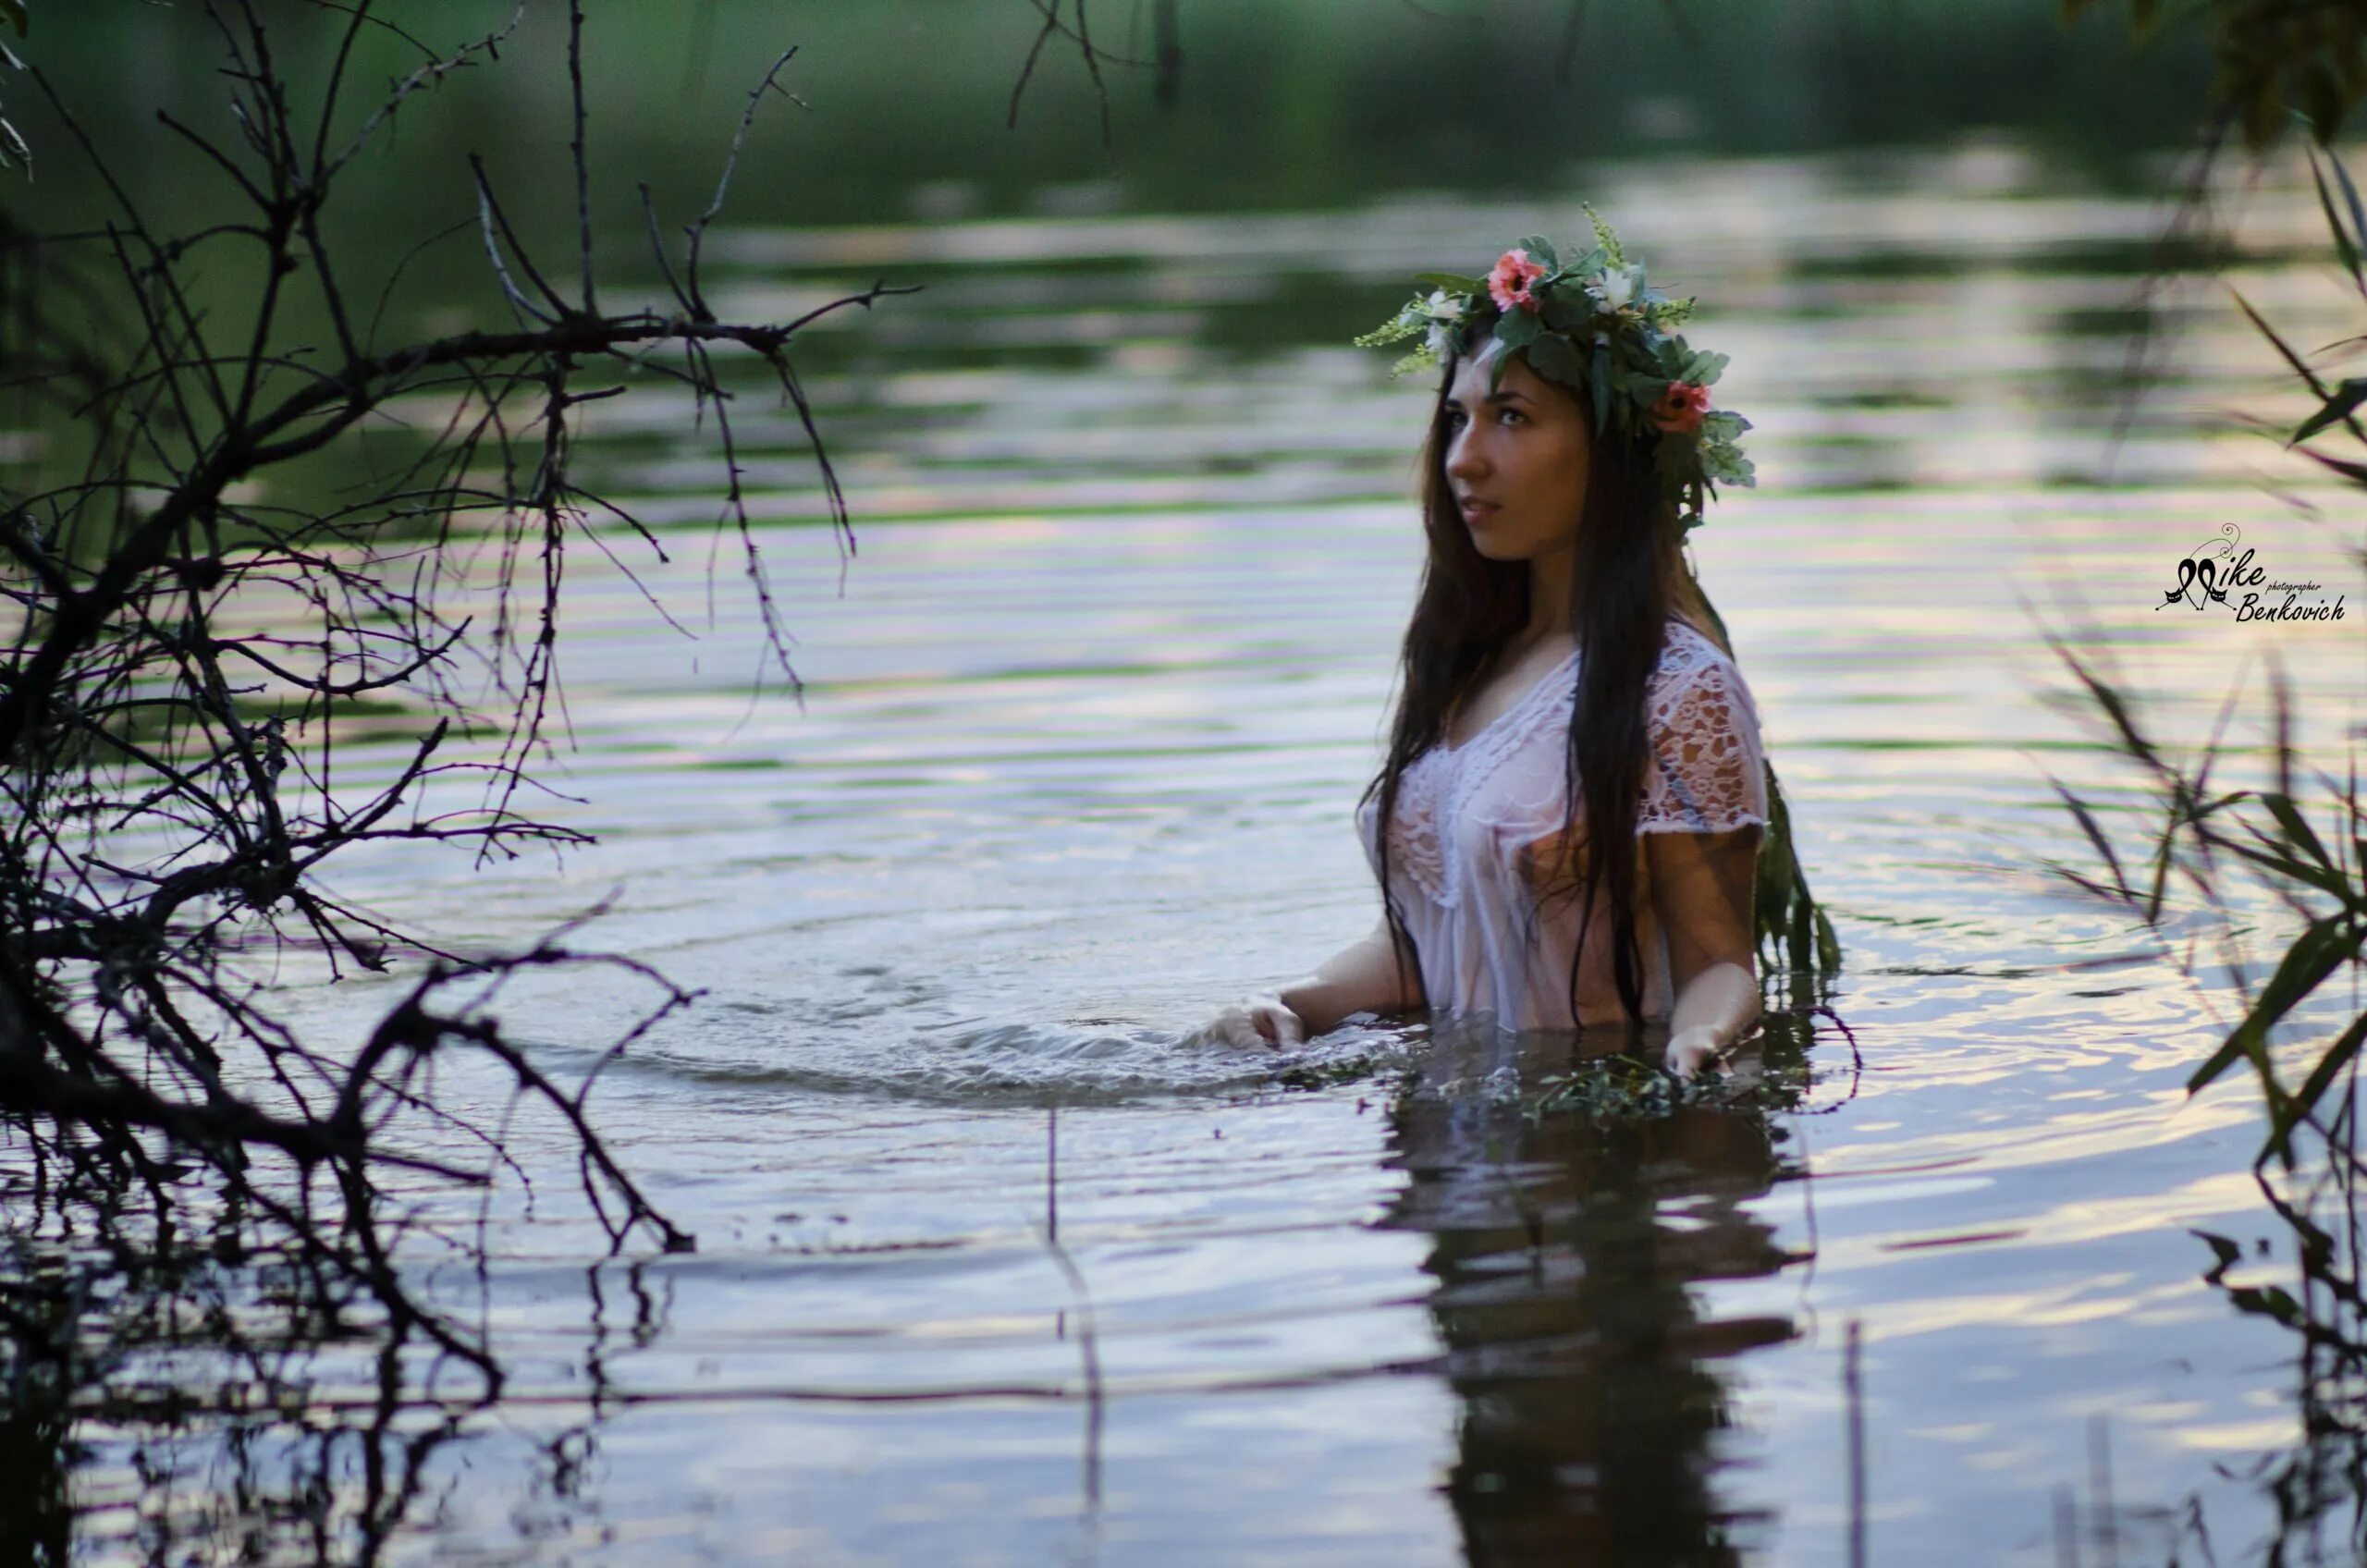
(1541, 683)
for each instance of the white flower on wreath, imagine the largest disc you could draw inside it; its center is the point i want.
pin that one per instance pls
(1615, 287)
(1439, 310)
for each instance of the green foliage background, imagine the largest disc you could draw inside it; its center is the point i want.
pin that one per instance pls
(1282, 102)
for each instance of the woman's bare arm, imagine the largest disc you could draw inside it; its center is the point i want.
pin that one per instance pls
(1360, 977)
(1702, 886)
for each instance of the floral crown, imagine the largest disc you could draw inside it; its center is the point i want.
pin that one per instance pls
(1593, 326)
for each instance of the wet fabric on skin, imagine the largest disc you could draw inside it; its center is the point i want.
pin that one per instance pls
(1468, 818)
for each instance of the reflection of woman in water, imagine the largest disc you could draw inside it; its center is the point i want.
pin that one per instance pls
(1564, 686)
(1592, 1377)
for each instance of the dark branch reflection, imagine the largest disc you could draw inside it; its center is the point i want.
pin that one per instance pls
(168, 1399)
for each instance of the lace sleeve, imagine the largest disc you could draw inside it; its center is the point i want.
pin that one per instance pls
(1707, 772)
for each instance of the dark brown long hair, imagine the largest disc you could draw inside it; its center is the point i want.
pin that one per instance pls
(1630, 577)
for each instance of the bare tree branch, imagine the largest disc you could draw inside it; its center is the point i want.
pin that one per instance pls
(181, 660)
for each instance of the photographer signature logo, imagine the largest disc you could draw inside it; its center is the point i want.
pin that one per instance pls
(2212, 571)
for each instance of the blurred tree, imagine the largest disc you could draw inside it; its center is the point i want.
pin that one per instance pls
(2276, 58)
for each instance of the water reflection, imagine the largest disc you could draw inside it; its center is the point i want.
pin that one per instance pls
(1593, 1391)
(2312, 1486)
(160, 1409)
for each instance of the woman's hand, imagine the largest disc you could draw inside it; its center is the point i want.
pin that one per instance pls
(1364, 976)
(1261, 1020)
(1689, 1050)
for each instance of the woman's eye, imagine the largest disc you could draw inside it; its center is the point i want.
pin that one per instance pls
(1513, 413)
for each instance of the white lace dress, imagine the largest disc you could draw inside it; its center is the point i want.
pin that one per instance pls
(1466, 814)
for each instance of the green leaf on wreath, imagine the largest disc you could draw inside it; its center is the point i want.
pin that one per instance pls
(1396, 330)
(1567, 310)
(1605, 237)
(1556, 359)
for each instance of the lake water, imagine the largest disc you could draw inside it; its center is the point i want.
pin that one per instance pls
(992, 1270)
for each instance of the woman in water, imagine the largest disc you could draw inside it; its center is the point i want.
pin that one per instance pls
(1564, 685)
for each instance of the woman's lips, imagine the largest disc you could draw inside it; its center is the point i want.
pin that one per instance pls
(1474, 510)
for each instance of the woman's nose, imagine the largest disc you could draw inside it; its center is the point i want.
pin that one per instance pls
(1462, 455)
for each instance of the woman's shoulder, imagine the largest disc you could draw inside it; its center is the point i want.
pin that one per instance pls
(1690, 657)
(1705, 738)
(1687, 643)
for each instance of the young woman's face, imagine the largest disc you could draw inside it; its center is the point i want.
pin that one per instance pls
(1515, 461)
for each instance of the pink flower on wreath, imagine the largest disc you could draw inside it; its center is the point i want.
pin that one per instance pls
(1508, 284)
(1680, 409)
